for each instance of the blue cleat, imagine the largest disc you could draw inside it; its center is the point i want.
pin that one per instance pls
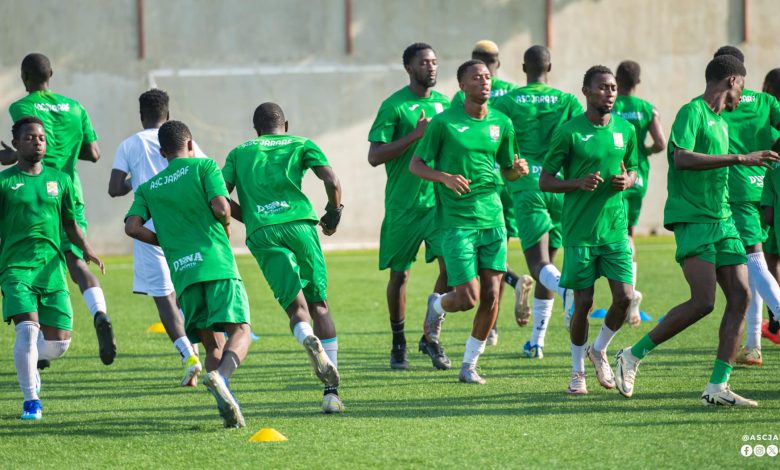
(32, 410)
(532, 351)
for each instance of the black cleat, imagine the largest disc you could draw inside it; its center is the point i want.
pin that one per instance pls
(105, 335)
(398, 357)
(43, 364)
(434, 350)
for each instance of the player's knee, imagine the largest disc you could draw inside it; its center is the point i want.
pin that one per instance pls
(583, 302)
(319, 310)
(703, 307)
(622, 301)
(398, 279)
(468, 299)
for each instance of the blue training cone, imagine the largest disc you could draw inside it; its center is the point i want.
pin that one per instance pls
(644, 316)
(599, 313)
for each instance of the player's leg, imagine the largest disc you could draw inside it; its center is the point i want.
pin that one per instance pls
(538, 257)
(27, 330)
(434, 251)
(770, 329)
(633, 206)
(510, 224)
(579, 274)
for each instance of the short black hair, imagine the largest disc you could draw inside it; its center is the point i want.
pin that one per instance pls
(627, 74)
(154, 103)
(466, 65)
(16, 129)
(593, 71)
(36, 67)
(173, 135)
(724, 66)
(773, 79)
(412, 51)
(730, 50)
(268, 116)
(536, 58)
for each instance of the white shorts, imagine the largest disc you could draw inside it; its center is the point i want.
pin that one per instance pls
(151, 275)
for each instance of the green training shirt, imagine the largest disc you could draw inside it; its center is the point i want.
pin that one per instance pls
(397, 116)
(32, 208)
(640, 114)
(498, 88)
(751, 128)
(195, 244)
(769, 193)
(459, 144)
(536, 111)
(697, 196)
(267, 173)
(593, 218)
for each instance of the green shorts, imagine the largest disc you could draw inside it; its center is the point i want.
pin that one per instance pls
(53, 306)
(582, 265)
(717, 243)
(81, 220)
(510, 222)
(291, 259)
(540, 213)
(466, 251)
(209, 305)
(770, 245)
(402, 233)
(632, 202)
(747, 219)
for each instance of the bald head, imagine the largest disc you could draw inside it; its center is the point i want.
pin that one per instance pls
(36, 69)
(269, 119)
(536, 61)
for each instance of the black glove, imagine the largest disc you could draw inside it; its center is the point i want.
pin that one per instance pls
(332, 216)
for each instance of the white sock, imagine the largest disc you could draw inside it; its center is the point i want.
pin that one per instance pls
(95, 300)
(754, 316)
(437, 307)
(603, 339)
(51, 349)
(765, 283)
(578, 357)
(331, 347)
(633, 273)
(26, 357)
(474, 348)
(183, 345)
(542, 311)
(302, 330)
(549, 276)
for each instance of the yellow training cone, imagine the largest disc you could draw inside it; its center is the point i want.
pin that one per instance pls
(156, 328)
(267, 435)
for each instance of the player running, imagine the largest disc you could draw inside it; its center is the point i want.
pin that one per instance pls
(189, 204)
(409, 201)
(139, 156)
(537, 111)
(281, 233)
(36, 205)
(646, 120)
(459, 153)
(709, 248)
(597, 154)
(70, 137)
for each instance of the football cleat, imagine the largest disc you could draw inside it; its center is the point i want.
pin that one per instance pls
(634, 318)
(603, 371)
(105, 335)
(469, 375)
(332, 404)
(721, 395)
(626, 367)
(523, 289)
(434, 350)
(532, 351)
(32, 410)
(433, 320)
(766, 332)
(568, 308)
(192, 369)
(226, 402)
(577, 384)
(749, 357)
(492, 338)
(398, 357)
(324, 369)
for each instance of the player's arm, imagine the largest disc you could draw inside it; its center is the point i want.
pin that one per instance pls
(76, 236)
(134, 228)
(656, 131)
(7, 154)
(90, 152)
(380, 152)
(457, 183)
(119, 183)
(550, 184)
(235, 208)
(333, 209)
(220, 207)
(688, 160)
(518, 169)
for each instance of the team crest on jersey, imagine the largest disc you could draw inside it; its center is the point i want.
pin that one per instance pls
(52, 189)
(617, 137)
(495, 132)
(438, 107)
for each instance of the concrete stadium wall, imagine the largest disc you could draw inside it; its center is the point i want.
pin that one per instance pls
(218, 60)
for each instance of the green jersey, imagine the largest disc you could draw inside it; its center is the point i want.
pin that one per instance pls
(459, 144)
(67, 127)
(697, 196)
(579, 148)
(267, 173)
(751, 128)
(640, 114)
(498, 88)
(195, 244)
(32, 208)
(769, 192)
(536, 111)
(398, 116)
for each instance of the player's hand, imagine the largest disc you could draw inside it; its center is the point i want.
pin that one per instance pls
(7, 154)
(330, 221)
(520, 166)
(760, 158)
(91, 257)
(591, 181)
(458, 184)
(622, 181)
(422, 124)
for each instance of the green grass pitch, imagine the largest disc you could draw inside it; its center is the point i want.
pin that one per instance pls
(133, 414)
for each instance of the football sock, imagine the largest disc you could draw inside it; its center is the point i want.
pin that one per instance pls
(302, 330)
(578, 357)
(26, 357)
(329, 390)
(184, 347)
(95, 300)
(603, 339)
(542, 311)
(765, 283)
(51, 349)
(753, 317)
(437, 307)
(474, 348)
(642, 347)
(331, 347)
(549, 276)
(228, 364)
(511, 278)
(397, 326)
(721, 372)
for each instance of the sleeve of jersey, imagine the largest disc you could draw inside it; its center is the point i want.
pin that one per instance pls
(213, 182)
(139, 207)
(556, 155)
(313, 155)
(120, 159)
(774, 111)
(768, 196)
(428, 148)
(86, 127)
(229, 170)
(631, 159)
(384, 126)
(16, 111)
(684, 129)
(506, 151)
(68, 207)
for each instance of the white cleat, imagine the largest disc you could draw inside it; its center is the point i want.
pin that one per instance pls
(625, 372)
(332, 404)
(721, 395)
(323, 367)
(568, 308)
(492, 339)
(192, 370)
(577, 385)
(603, 371)
(523, 289)
(634, 319)
(469, 375)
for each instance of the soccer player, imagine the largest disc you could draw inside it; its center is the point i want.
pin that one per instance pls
(281, 233)
(189, 204)
(487, 51)
(770, 204)
(36, 202)
(70, 137)
(770, 328)
(409, 201)
(752, 126)
(646, 120)
(459, 153)
(139, 156)
(596, 152)
(709, 248)
(537, 110)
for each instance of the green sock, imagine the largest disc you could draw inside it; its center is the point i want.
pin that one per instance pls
(721, 372)
(643, 347)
